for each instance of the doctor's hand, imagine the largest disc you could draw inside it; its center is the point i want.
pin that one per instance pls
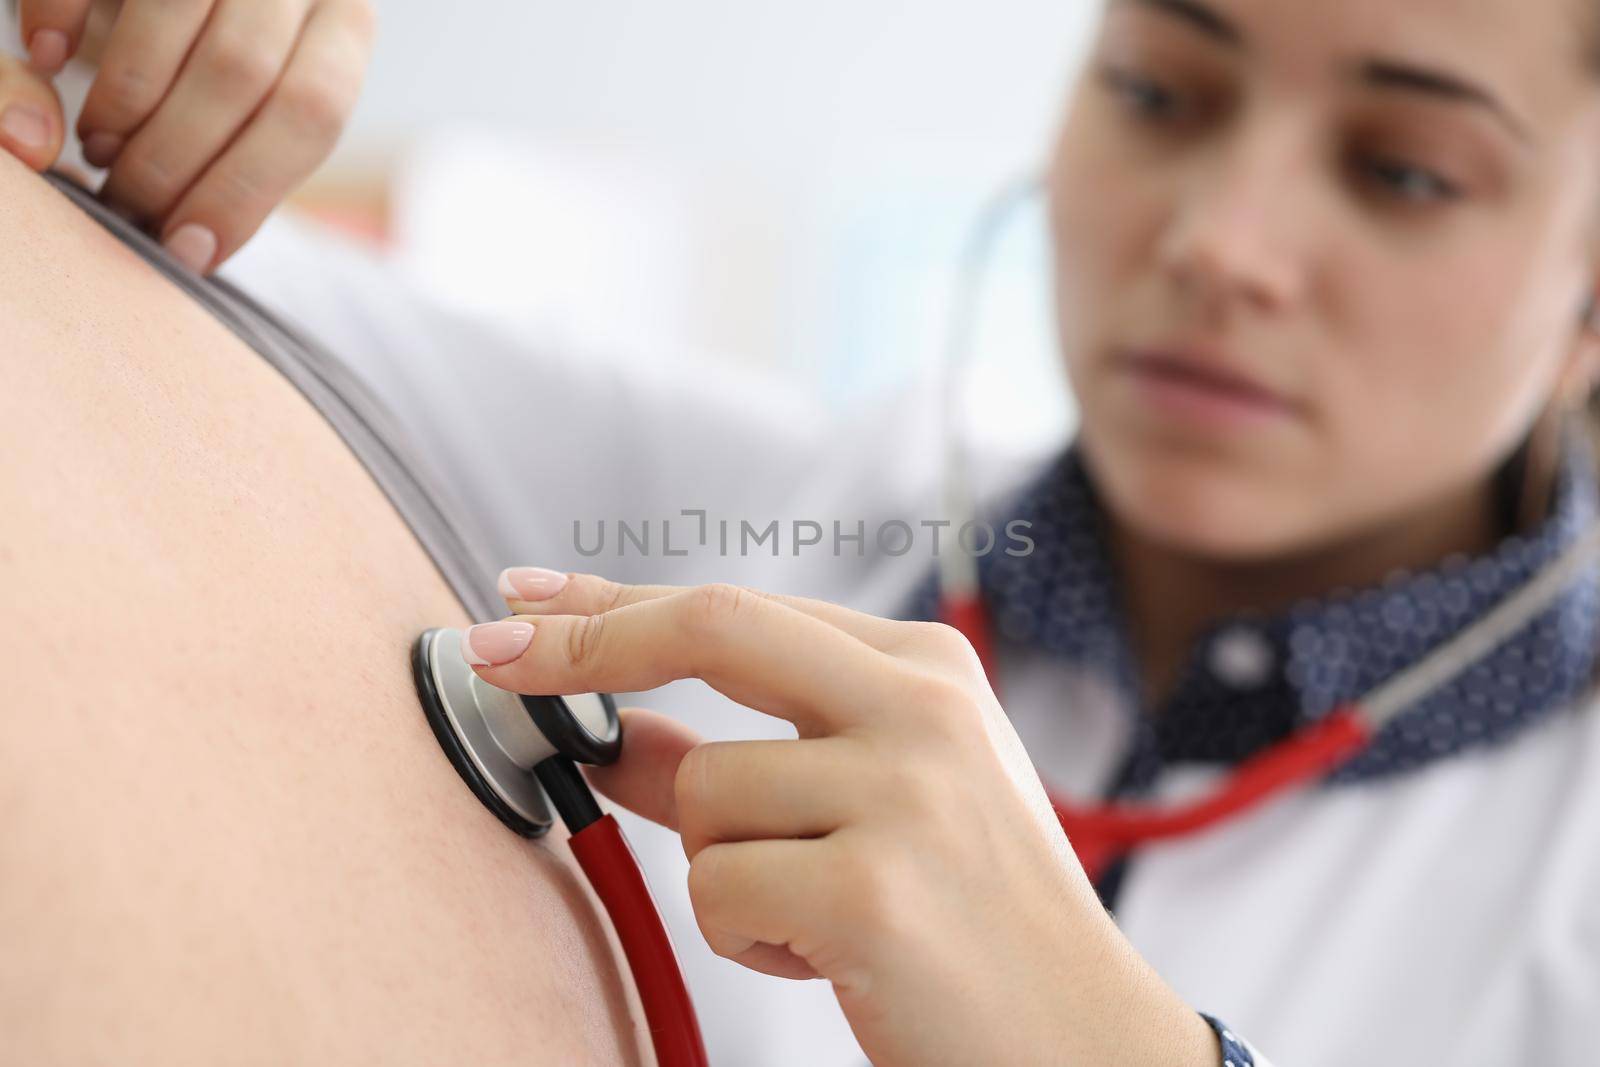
(902, 847)
(207, 113)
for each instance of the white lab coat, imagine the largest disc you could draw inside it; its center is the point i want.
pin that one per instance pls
(1450, 915)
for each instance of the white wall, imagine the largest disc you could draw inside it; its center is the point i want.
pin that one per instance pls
(785, 184)
(791, 85)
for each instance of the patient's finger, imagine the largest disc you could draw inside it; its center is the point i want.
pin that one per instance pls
(52, 31)
(286, 140)
(234, 65)
(138, 65)
(31, 126)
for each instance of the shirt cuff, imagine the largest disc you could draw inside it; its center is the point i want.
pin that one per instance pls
(1236, 1051)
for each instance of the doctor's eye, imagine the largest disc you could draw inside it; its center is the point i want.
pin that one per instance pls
(1408, 183)
(1146, 98)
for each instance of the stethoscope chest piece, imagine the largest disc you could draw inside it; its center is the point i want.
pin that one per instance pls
(495, 739)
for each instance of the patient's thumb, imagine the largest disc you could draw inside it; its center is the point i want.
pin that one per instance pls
(642, 779)
(31, 124)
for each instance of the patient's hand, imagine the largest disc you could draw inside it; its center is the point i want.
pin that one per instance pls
(208, 113)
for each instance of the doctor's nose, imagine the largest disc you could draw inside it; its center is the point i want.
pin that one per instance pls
(1232, 238)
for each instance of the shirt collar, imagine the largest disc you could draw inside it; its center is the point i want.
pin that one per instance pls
(1254, 678)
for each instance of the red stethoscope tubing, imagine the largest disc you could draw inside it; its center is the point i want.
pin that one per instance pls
(613, 870)
(1100, 834)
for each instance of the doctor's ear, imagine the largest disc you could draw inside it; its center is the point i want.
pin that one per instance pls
(1581, 376)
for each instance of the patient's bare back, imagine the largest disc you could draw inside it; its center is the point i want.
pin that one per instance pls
(226, 833)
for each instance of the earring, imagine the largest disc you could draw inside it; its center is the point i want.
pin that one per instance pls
(1541, 460)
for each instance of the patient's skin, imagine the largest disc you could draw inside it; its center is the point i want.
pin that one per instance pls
(226, 833)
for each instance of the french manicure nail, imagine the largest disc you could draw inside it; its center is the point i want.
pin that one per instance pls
(25, 126)
(47, 52)
(531, 583)
(193, 245)
(101, 149)
(492, 644)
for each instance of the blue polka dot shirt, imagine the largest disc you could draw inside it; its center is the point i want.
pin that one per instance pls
(1253, 678)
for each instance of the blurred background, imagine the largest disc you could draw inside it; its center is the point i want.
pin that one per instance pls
(786, 186)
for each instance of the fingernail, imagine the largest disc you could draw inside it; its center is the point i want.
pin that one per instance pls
(193, 245)
(47, 52)
(531, 583)
(492, 644)
(100, 149)
(25, 126)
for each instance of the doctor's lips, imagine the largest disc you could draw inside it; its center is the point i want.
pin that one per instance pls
(1198, 385)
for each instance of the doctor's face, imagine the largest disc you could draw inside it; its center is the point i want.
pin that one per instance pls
(1378, 215)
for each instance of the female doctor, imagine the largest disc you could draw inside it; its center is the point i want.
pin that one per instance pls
(1323, 278)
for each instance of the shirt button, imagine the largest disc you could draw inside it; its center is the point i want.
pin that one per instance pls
(1241, 657)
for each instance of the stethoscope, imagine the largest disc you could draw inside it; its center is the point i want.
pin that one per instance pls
(513, 751)
(1101, 833)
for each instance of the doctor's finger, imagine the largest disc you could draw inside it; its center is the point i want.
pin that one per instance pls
(750, 893)
(525, 591)
(776, 960)
(755, 651)
(52, 31)
(754, 790)
(528, 591)
(644, 775)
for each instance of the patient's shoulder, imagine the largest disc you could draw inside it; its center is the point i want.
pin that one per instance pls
(223, 820)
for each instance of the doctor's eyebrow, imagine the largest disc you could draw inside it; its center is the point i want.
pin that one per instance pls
(1388, 74)
(1212, 23)
(1376, 72)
